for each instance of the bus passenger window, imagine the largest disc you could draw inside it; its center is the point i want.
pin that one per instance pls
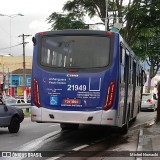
(122, 61)
(137, 75)
(123, 56)
(122, 74)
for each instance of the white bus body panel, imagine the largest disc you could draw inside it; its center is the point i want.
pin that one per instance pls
(81, 117)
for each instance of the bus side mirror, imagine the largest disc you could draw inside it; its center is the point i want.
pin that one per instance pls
(34, 41)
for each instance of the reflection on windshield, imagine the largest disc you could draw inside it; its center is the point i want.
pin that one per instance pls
(75, 51)
(10, 101)
(146, 96)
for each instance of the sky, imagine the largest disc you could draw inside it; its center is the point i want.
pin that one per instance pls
(34, 20)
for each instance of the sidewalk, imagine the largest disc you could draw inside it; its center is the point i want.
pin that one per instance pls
(149, 142)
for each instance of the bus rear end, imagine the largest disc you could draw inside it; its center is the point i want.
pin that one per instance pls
(75, 77)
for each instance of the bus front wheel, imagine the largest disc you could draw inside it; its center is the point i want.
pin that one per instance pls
(69, 126)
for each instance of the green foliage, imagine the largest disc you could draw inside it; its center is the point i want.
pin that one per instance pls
(141, 14)
(81, 7)
(69, 21)
(140, 19)
(147, 47)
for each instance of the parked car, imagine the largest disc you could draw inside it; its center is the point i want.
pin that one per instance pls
(149, 101)
(13, 101)
(11, 117)
(20, 101)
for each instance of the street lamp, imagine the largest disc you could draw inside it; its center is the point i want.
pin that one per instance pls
(106, 19)
(4, 55)
(11, 16)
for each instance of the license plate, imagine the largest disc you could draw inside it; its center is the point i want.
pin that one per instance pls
(71, 101)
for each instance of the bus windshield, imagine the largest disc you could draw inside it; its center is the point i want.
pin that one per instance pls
(75, 51)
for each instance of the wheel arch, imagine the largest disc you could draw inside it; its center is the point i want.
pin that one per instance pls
(16, 116)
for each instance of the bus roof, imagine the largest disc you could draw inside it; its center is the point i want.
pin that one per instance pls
(77, 31)
(88, 32)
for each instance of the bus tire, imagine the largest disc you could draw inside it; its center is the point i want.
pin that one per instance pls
(69, 126)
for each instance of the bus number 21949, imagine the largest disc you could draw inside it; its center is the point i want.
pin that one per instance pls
(76, 87)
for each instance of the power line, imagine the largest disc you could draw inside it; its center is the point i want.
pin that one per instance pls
(4, 31)
(10, 47)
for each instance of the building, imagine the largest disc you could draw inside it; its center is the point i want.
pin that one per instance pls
(154, 82)
(16, 83)
(11, 63)
(11, 74)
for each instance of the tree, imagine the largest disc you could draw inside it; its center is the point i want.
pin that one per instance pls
(60, 21)
(147, 43)
(140, 19)
(148, 48)
(78, 9)
(132, 16)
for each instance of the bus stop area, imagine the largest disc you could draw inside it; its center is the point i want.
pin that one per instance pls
(149, 142)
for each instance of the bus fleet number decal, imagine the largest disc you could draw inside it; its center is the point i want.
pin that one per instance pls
(76, 87)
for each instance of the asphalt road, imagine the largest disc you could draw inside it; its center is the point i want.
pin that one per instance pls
(49, 137)
(29, 131)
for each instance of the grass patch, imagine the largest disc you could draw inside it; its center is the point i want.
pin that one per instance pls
(26, 113)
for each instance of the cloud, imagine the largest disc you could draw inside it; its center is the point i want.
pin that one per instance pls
(39, 25)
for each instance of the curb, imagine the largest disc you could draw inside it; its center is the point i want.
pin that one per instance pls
(140, 144)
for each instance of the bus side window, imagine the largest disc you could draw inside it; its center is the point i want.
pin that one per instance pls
(131, 72)
(122, 60)
(137, 75)
(128, 69)
(122, 56)
(140, 77)
(134, 73)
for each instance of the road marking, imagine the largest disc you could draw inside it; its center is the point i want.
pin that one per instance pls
(54, 125)
(80, 147)
(37, 143)
(75, 149)
(53, 158)
(140, 143)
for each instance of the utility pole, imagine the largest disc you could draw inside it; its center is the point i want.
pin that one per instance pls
(24, 63)
(8, 82)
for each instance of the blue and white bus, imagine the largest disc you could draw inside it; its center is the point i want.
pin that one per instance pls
(85, 77)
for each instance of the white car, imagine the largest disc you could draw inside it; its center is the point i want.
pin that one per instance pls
(20, 101)
(149, 101)
(13, 101)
